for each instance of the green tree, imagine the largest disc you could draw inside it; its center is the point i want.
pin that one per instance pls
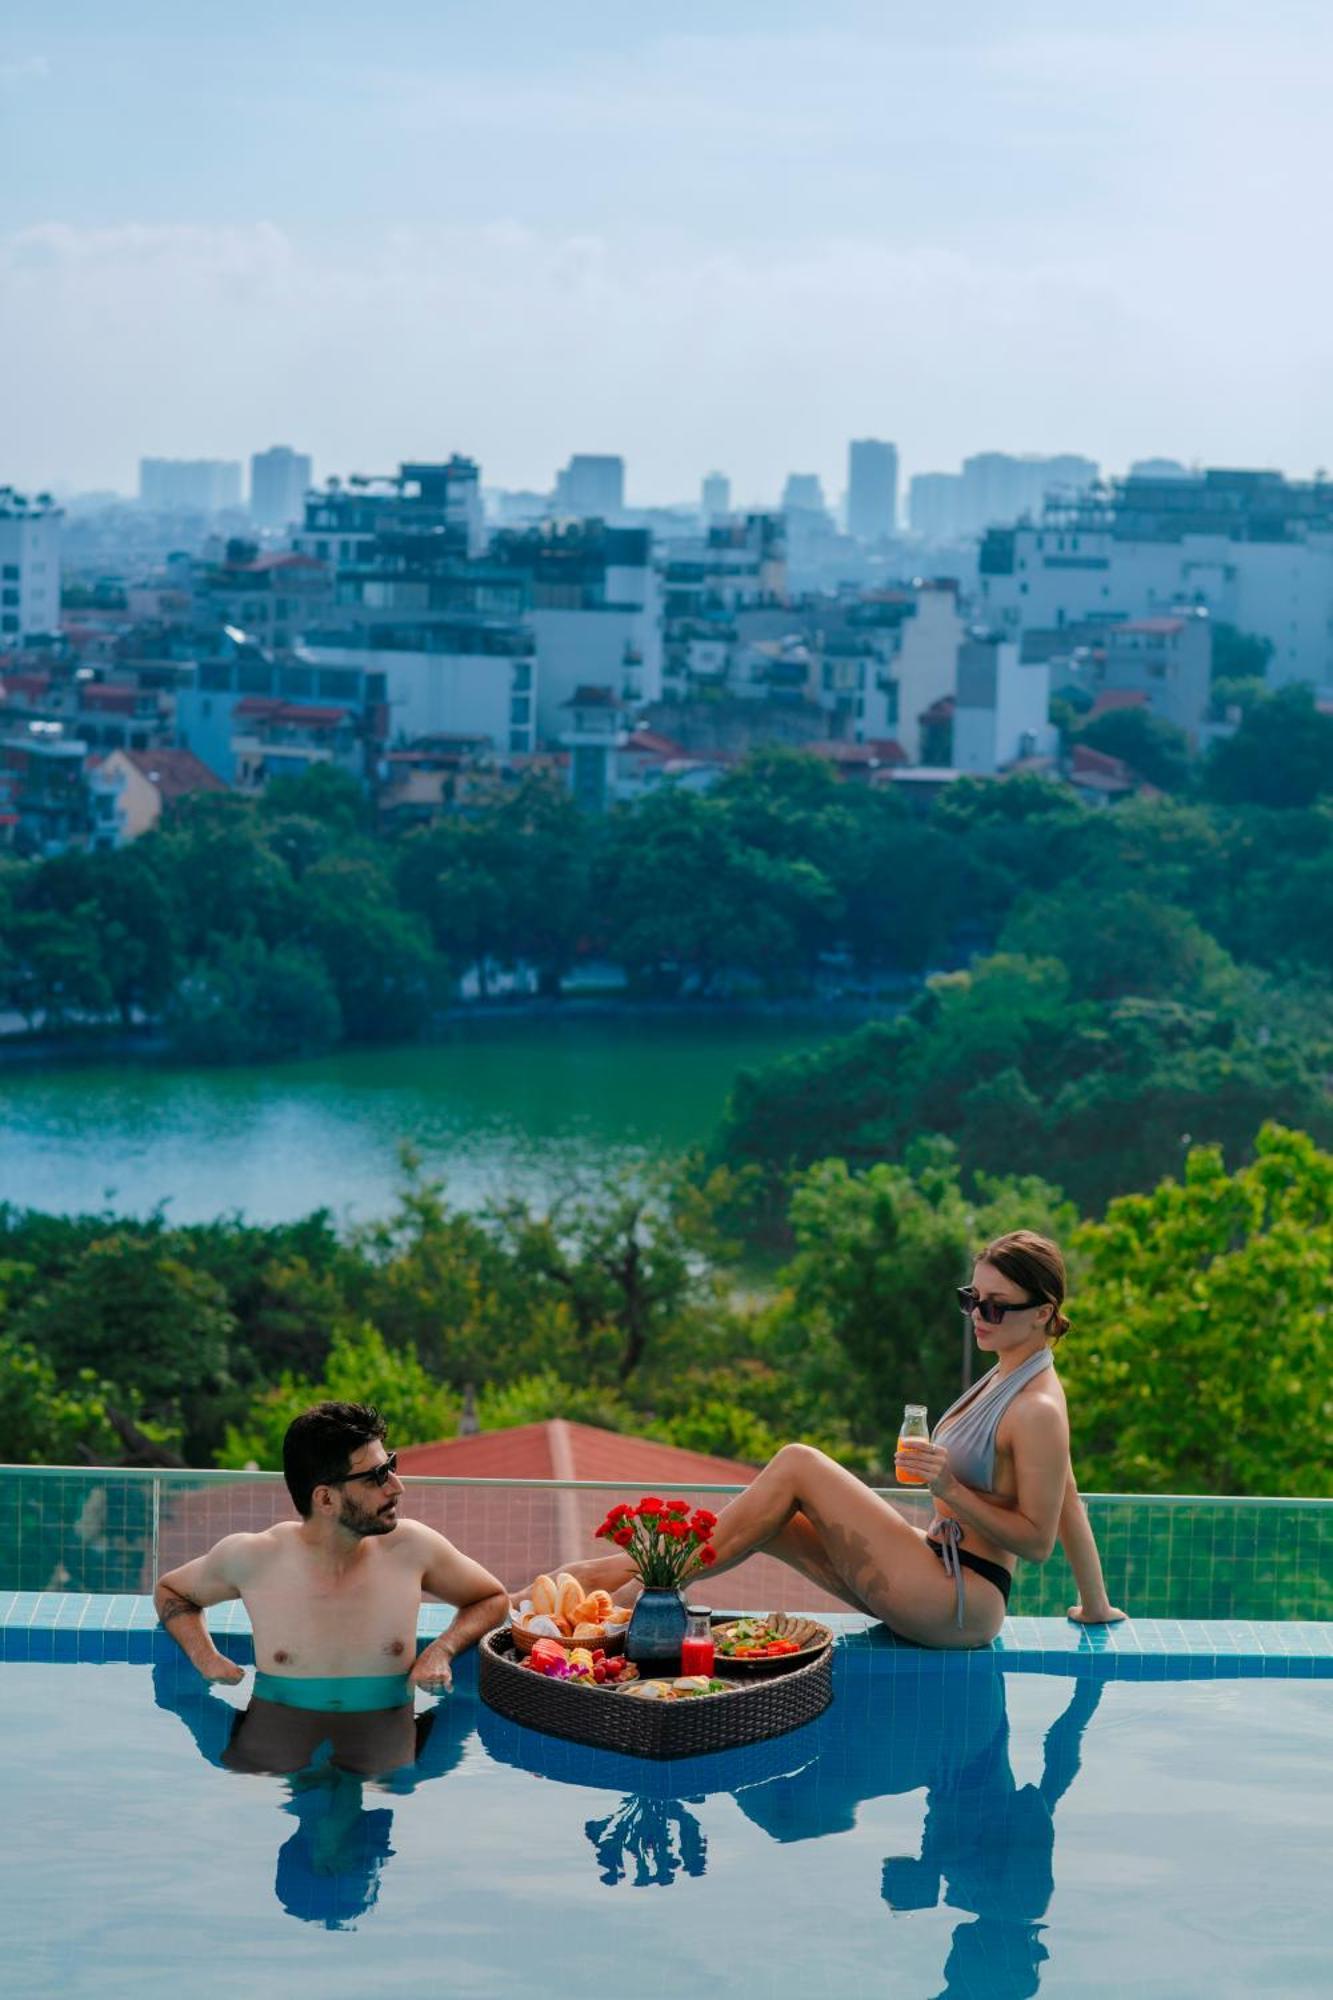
(1281, 755)
(361, 1368)
(251, 1002)
(1200, 1359)
(1119, 943)
(135, 1311)
(1239, 656)
(878, 1255)
(52, 967)
(386, 976)
(1154, 748)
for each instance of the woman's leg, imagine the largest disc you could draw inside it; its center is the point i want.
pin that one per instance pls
(880, 1560)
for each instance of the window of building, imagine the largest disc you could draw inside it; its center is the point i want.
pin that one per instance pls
(520, 708)
(11, 573)
(254, 677)
(521, 677)
(8, 622)
(337, 680)
(519, 741)
(9, 597)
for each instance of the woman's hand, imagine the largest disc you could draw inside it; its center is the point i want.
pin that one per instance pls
(927, 1463)
(1094, 1614)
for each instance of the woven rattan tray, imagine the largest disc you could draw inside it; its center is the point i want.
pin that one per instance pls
(748, 1713)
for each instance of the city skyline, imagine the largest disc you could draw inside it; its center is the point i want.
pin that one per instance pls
(539, 239)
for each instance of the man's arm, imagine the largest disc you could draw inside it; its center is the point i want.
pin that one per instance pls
(1094, 1607)
(480, 1603)
(182, 1594)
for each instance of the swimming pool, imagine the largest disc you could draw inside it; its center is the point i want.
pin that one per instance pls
(1065, 1816)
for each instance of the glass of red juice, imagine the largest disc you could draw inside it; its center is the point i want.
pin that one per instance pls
(697, 1651)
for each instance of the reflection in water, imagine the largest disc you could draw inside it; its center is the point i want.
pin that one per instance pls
(329, 1867)
(987, 1846)
(661, 1835)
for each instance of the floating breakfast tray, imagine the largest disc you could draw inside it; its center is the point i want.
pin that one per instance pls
(750, 1711)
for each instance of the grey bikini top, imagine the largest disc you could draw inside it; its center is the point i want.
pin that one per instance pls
(974, 1419)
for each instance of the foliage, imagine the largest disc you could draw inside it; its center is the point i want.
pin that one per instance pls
(253, 1002)
(361, 1368)
(1281, 755)
(878, 1255)
(1200, 1357)
(1154, 748)
(43, 1422)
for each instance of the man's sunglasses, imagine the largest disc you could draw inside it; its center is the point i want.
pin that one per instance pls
(378, 1475)
(992, 1311)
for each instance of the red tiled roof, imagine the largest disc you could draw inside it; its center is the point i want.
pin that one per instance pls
(112, 700)
(30, 685)
(174, 772)
(657, 745)
(1161, 626)
(263, 708)
(284, 559)
(560, 1450)
(1111, 698)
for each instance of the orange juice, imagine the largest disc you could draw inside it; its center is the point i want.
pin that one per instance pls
(914, 1425)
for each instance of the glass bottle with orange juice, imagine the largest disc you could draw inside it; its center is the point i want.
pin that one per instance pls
(914, 1425)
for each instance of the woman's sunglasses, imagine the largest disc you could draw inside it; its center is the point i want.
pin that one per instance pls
(378, 1475)
(992, 1311)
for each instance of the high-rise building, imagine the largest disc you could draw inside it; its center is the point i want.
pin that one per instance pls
(872, 489)
(29, 566)
(591, 487)
(803, 494)
(280, 478)
(715, 497)
(189, 485)
(999, 487)
(934, 505)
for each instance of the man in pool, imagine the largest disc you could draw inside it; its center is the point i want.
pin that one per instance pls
(333, 1601)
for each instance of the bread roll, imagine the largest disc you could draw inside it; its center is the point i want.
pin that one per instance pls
(544, 1594)
(595, 1607)
(568, 1597)
(589, 1635)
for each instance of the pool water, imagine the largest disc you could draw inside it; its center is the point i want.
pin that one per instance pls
(954, 1829)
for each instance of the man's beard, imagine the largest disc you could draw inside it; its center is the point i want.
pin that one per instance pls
(357, 1523)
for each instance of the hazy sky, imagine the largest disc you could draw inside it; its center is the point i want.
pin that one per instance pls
(735, 237)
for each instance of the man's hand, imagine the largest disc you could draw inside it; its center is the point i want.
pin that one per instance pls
(433, 1671)
(220, 1668)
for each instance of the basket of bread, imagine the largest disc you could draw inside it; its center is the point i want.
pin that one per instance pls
(560, 1608)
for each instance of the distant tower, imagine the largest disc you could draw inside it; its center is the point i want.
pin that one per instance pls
(872, 489)
(715, 497)
(279, 481)
(803, 494)
(591, 486)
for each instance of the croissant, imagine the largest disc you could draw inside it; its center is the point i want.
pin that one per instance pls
(617, 1615)
(588, 1635)
(544, 1595)
(595, 1607)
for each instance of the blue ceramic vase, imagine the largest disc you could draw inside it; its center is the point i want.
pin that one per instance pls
(656, 1632)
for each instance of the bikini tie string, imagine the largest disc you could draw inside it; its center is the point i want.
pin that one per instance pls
(947, 1533)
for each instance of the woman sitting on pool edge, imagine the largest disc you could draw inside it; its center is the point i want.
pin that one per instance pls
(997, 1468)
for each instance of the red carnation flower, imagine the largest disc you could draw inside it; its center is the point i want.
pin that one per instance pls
(650, 1507)
(703, 1522)
(708, 1556)
(677, 1506)
(624, 1536)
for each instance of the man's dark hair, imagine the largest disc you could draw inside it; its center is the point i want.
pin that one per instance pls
(320, 1444)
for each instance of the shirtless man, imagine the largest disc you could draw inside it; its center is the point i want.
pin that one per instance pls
(333, 1601)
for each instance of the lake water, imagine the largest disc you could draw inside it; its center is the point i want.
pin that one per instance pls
(501, 1103)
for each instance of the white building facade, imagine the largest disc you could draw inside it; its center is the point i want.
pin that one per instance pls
(29, 568)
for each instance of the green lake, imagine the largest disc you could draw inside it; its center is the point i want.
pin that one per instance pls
(526, 1103)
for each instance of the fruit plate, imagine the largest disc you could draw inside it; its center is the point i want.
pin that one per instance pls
(613, 1642)
(807, 1634)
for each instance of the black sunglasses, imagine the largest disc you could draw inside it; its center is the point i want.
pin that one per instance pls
(378, 1475)
(992, 1311)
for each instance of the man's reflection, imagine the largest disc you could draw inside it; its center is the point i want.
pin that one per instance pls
(329, 1867)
